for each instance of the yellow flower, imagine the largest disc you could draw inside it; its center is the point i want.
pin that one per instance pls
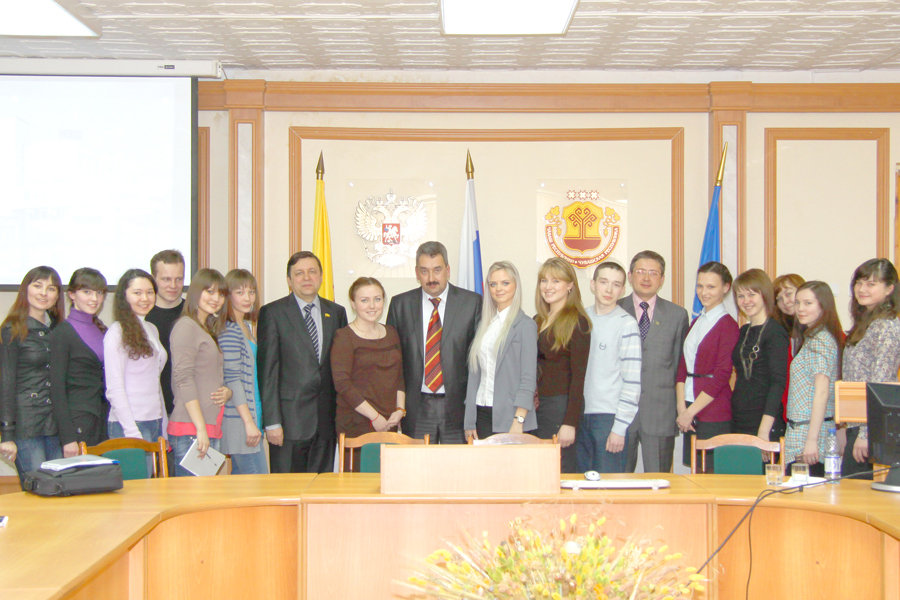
(699, 587)
(663, 549)
(601, 521)
(562, 525)
(688, 569)
(591, 528)
(556, 596)
(573, 518)
(696, 577)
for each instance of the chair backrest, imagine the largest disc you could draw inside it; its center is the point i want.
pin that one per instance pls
(130, 452)
(373, 440)
(502, 439)
(741, 454)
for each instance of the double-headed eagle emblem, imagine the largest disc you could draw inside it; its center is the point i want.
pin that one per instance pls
(394, 225)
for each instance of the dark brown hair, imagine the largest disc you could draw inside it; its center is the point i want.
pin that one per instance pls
(298, 256)
(236, 279)
(881, 270)
(717, 268)
(87, 278)
(17, 318)
(828, 320)
(134, 338)
(203, 280)
(651, 255)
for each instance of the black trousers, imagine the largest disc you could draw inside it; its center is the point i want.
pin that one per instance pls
(315, 455)
(550, 414)
(704, 431)
(484, 421)
(849, 466)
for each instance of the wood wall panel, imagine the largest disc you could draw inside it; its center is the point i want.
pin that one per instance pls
(255, 117)
(548, 98)
(675, 135)
(881, 137)
(258, 545)
(829, 542)
(203, 197)
(354, 532)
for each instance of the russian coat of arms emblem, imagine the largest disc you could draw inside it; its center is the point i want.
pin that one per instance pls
(393, 227)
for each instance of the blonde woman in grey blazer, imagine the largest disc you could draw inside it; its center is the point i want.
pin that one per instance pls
(502, 361)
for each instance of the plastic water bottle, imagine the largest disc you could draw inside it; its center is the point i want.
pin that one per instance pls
(832, 456)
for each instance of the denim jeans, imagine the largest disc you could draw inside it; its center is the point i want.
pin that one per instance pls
(590, 443)
(33, 451)
(250, 464)
(180, 446)
(150, 430)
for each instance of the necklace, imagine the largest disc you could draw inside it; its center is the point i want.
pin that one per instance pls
(747, 363)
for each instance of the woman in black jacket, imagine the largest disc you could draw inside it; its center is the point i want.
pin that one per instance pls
(76, 365)
(28, 432)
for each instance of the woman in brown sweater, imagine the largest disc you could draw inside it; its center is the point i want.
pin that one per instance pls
(564, 341)
(367, 366)
(197, 368)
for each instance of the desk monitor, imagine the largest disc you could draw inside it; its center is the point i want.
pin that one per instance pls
(883, 411)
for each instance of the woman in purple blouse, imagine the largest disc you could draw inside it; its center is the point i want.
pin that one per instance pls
(76, 365)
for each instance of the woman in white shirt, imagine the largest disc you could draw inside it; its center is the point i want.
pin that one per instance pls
(502, 361)
(133, 360)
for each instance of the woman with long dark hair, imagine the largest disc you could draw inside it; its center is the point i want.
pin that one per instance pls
(242, 421)
(817, 365)
(76, 365)
(198, 378)
(872, 348)
(785, 289)
(133, 358)
(702, 390)
(28, 429)
(564, 342)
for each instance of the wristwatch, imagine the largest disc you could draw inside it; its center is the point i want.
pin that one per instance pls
(520, 418)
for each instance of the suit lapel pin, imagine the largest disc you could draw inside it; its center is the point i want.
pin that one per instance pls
(327, 315)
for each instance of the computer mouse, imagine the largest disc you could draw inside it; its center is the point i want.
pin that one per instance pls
(592, 476)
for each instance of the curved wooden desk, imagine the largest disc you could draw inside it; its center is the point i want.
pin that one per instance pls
(336, 536)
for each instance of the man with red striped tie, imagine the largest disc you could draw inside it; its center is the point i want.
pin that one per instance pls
(436, 325)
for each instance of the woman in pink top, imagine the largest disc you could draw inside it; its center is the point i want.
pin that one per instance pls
(198, 368)
(133, 360)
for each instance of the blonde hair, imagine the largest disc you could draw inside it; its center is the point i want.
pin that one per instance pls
(489, 311)
(563, 324)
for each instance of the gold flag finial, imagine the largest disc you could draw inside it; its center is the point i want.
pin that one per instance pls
(320, 168)
(470, 168)
(722, 165)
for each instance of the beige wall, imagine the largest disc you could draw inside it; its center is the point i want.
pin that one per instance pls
(506, 174)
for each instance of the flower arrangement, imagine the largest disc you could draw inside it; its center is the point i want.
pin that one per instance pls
(566, 563)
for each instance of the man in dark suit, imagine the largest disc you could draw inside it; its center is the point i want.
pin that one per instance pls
(294, 367)
(663, 327)
(436, 325)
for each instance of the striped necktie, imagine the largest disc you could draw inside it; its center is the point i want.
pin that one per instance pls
(311, 326)
(434, 377)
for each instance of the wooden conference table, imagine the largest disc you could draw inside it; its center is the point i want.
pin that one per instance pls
(336, 536)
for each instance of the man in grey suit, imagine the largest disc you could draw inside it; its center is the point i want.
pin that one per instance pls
(663, 327)
(436, 325)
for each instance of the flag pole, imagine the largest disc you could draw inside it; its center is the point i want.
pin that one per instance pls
(470, 274)
(322, 233)
(711, 249)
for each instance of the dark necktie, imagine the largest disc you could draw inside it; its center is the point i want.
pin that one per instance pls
(434, 377)
(311, 326)
(644, 323)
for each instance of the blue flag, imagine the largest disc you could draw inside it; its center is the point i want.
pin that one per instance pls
(711, 248)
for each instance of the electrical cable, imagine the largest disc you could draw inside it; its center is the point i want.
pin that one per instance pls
(765, 494)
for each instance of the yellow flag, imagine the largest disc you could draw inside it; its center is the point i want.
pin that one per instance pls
(322, 242)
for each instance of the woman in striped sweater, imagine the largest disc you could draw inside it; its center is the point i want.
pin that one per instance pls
(242, 421)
